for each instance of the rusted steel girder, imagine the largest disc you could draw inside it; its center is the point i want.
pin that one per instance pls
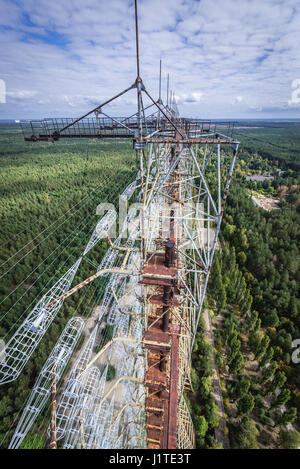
(162, 365)
(173, 403)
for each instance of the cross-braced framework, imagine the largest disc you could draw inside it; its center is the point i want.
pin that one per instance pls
(181, 218)
(41, 391)
(126, 388)
(25, 340)
(23, 343)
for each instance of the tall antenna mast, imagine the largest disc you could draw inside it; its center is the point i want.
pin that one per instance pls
(137, 41)
(164, 311)
(138, 80)
(168, 89)
(159, 94)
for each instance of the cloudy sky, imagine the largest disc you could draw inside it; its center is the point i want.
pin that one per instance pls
(226, 58)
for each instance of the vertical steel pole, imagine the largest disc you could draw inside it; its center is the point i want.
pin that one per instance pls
(159, 91)
(53, 444)
(168, 89)
(140, 123)
(227, 185)
(228, 181)
(159, 96)
(137, 40)
(219, 180)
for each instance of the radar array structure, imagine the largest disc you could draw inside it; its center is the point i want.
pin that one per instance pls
(156, 284)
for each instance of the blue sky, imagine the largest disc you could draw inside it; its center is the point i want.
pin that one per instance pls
(226, 58)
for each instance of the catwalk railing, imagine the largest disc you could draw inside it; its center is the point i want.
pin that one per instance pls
(120, 127)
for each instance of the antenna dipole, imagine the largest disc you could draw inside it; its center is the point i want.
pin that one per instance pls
(168, 90)
(159, 94)
(137, 40)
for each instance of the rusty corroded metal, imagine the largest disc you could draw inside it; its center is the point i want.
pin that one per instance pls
(171, 279)
(53, 444)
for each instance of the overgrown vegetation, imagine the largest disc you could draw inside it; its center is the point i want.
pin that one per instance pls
(49, 194)
(254, 292)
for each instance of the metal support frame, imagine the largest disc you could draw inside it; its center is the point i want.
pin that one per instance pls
(52, 370)
(148, 317)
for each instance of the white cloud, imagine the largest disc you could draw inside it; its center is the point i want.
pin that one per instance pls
(2, 91)
(184, 98)
(295, 98)
(238, 99)
(230, 59)
(21, 94)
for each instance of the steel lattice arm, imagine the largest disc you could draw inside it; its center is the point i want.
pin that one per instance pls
(40, 393)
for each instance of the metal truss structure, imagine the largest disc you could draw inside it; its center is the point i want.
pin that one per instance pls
(25, 340)
(126, 388)
(23, 343)
(41, 391)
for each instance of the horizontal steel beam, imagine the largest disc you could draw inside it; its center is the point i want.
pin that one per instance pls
(228, 141)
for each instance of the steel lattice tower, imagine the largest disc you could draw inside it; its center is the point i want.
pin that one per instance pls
(156, 285)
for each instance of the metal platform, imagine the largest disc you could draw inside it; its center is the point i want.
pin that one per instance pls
(154, 129)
